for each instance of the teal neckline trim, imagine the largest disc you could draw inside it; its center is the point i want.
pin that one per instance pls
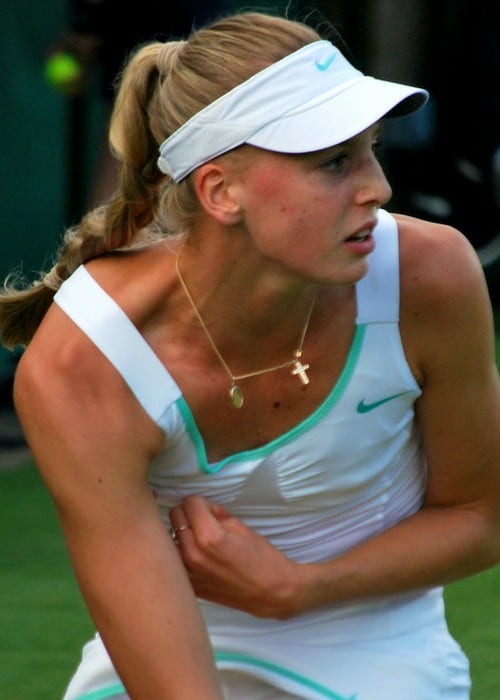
(282, 671)
(109, 692)
(305, 425)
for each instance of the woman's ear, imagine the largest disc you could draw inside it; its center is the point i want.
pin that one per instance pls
(212, 184)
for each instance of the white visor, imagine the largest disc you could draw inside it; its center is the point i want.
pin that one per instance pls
(309, 100)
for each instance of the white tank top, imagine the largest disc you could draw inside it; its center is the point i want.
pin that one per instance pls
(347, 472)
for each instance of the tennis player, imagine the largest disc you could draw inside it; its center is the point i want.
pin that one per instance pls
(267, 409)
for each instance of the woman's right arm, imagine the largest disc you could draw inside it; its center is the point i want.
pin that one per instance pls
(92, 444)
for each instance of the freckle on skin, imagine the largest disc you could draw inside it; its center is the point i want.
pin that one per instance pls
(277, 404)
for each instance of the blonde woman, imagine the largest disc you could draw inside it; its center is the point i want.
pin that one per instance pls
(267, 409)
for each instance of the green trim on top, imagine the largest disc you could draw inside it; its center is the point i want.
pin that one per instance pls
(109, 692)
(302, 427)
(280, 670)
(193, 432)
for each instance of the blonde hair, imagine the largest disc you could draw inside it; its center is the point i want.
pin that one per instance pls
(162, 86)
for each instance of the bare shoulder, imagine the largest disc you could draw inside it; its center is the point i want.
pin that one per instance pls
(444, 297)
(436, 260)
(69, 397)
(61, 359)
(64, 371)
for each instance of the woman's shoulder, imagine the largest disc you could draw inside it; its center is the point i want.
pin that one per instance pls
(65, 376)
(443, 290)
(437, 262)
(415, 232)
(136, 281)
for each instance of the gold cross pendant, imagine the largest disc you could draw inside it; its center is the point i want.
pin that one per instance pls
(299, 370)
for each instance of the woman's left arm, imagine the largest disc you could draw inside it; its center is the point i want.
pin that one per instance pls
(448, 335)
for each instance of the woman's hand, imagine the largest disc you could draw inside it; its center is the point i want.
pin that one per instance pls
(229, 563)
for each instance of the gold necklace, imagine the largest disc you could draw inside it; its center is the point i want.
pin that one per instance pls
(235, 393)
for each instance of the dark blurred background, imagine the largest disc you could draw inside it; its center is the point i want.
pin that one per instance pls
(443, 162)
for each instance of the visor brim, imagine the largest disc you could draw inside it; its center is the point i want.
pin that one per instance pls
(339, 118)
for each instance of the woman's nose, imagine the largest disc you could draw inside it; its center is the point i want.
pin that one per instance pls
(374, 187)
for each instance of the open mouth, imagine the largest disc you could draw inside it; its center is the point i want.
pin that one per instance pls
(360, 237)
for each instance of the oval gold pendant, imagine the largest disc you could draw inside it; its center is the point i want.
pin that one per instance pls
(236, 396)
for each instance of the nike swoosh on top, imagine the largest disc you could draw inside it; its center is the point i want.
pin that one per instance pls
(324, 64)
(367, 407)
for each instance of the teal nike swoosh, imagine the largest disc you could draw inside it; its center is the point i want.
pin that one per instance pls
(325, 64)
(367, 407)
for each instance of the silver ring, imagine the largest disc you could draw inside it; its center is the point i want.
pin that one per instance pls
(175, 530)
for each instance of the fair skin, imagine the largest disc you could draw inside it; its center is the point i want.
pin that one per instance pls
(267, 234)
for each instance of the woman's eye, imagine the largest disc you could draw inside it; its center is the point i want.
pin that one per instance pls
(336, 163)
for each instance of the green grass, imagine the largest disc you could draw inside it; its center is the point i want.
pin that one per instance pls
(43, 622)
(473, 612)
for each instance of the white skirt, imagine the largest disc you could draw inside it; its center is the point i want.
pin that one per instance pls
(401, 654)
